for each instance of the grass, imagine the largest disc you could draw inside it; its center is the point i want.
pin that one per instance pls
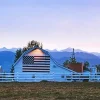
(50, 91)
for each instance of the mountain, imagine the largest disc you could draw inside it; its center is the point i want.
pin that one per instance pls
(6, 49)
(96, 53)
(54, 50)
(80, 56)
(71, 49)
(6, 60)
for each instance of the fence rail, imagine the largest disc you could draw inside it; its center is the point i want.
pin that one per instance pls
(12, 77)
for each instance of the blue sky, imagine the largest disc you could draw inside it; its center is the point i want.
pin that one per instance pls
(56, 23)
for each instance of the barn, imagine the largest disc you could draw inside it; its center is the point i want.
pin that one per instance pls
(37, 65)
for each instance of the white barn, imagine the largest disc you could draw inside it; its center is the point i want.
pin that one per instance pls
(36, 65)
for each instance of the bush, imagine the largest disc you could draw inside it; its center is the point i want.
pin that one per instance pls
(44, 81)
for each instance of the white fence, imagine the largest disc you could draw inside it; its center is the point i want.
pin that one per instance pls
(13, 77)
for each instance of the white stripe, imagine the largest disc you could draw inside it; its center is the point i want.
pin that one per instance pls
(36, 70)
(40, 60)
(37, 67)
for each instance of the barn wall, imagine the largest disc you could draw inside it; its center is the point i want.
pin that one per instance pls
(56, 73)
(59, 73)
(57, 69)
(18, 67)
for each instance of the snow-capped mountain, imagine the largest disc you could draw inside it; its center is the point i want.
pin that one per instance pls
(69, 49)
(6, 49)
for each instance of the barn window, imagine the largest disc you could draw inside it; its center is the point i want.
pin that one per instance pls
(36, 63)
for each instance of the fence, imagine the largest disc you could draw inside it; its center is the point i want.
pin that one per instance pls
(13, 77)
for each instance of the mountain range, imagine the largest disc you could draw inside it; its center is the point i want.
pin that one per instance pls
(65, 50)
(69, 49)
(7, 56)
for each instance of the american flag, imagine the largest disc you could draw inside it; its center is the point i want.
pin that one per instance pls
(36, 63)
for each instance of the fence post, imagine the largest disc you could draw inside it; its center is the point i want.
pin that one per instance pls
(17, 76)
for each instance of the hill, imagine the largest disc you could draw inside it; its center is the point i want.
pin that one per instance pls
(80, 56)
(6, 60)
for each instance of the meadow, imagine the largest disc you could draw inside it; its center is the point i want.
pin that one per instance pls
(50, 91)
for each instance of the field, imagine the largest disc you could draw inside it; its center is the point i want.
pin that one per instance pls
(50, 91)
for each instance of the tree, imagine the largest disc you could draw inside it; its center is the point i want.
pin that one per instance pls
(66, 63)
(98, 67)
(86, 65)
(34, 43)
(41, 46)
(30, 45)
(24, 49)
(73, 59)
(18, 54)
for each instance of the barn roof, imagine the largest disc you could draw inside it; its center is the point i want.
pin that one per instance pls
(44, 51)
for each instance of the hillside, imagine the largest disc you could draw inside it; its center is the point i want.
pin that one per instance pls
(80, 56)
(6, 60)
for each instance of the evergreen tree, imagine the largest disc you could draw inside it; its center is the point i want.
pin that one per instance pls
(18, 54)
(66, 63)
(24, 49)
(86, 65)
(41, 46)
(73, 59)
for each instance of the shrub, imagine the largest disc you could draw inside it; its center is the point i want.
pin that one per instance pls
(44, 81)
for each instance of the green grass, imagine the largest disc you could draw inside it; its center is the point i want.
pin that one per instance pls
(50, 91)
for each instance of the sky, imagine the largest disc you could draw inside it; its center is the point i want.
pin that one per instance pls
(58, 24)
